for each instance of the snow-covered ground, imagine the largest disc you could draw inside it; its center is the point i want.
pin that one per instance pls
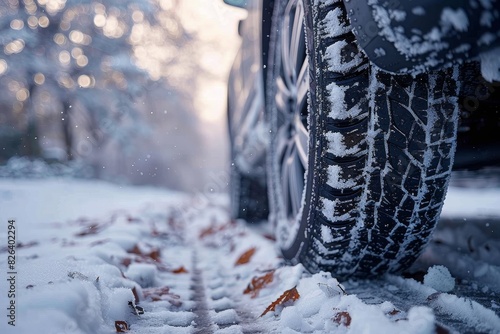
(93, 257)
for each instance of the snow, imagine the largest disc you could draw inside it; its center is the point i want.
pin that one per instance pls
(78, 200)
(337, 145)
(481, 203)
(418, 10)
(334, 24)
(434, 40)
(398, 15)
(142, 273)
(456, 18)
(439, 278)
(326, 234)
(335, 180)
(335, 54)
(80, 284)
(490, 65)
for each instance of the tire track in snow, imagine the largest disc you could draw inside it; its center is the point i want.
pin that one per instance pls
(216, 309)
(224, 310)
(203, 322)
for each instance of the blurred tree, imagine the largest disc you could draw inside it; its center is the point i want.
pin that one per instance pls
(79, 52)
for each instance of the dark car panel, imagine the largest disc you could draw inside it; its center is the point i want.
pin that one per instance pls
(246, 95)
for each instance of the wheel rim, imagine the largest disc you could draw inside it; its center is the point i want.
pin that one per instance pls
(292, 110)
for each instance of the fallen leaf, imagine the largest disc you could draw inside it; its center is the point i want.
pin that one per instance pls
(342, 318)
(246, 257)
(126, 261)
(442, 330)
(121, 326)
(92, 229)
(331, 291)
(137, 310)
(257, 283)
(269, 236)
(77, 275)
(291, 294)
(99, 242)
(433, 296)
(394, 312)
(154, 254)
(26, 245)
(212, 229)
(156, 233)
(136, 295)
(180, 270)
(163, 293)
(131, 219)
(20, 245)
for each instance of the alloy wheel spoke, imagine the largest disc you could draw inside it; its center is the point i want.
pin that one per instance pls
(283, 97)
(291, 102)
(286, 175)
(285, 52)
(303, 86)
(296, 181)
(301, 141)
(297, 39)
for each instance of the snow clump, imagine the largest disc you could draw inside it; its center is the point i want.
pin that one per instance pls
(439, 278)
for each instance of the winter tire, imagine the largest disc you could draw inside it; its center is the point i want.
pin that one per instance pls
(360, 159)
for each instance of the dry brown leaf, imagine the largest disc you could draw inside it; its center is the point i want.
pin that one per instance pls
(131, 219)
(136, 295)
(126, 262)
(257, 283)
(135, 309)
(154, 254)
(180, 270)
(207, 231)
(291, 294)
(26, 245)
(246, 257)
(163, 293)
(342, 318)
(156, 233)
(393, 312)
(92, 229)
(99, 242)
(121, 326)
(212, 229)
(434, 296)
(20, 245)
(442, 330)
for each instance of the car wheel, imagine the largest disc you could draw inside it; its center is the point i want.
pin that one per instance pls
(360, 159)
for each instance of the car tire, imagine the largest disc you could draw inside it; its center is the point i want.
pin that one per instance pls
(358, 167)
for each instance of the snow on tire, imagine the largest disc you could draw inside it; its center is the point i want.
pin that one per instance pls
(379, 154)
